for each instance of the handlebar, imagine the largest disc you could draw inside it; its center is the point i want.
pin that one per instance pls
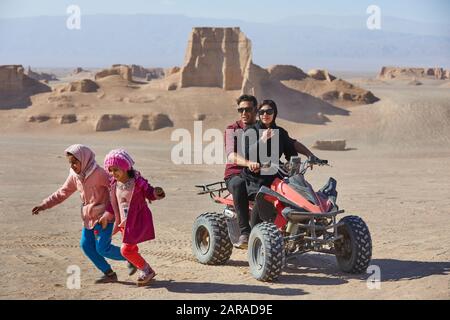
(316, 161)
(295, 166)
(312, 161)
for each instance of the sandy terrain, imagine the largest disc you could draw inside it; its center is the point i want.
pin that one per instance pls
(395, 175)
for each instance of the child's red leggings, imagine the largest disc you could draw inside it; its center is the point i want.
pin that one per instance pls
(131, 253)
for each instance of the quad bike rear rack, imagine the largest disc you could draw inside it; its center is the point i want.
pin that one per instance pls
(215, 190)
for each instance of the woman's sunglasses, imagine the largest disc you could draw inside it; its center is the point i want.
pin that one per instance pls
(268, 111)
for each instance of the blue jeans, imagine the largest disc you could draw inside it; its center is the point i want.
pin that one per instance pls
(96, 245)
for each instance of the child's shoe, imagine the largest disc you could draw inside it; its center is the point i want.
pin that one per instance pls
(109, 277)
(131, 268)
(145, 276)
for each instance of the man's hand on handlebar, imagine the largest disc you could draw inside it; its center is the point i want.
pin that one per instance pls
(254, 166)
(314, 160)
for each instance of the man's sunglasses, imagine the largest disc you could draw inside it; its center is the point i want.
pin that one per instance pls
(248, 110)
(268, 111)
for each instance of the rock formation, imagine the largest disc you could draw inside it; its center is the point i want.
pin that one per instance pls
(222, 57)
(286, 72)
(318, 83)
(321, 75)
(84, 85)
(154, 122)
(216, 57)
(147, 73)
(138, 71)
(40, 76)
(146, 122)
(68, 118)
(11, 80)
(78, 70)
(170, 71)
(39, 118)
(342, 91)
(411, 73)
(255, 79)
(415, 83)
(109, 122)
(333, 145)
(16, 87)
(117, 69)
(154, 73)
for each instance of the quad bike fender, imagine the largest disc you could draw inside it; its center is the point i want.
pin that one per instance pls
(272, 196)
(292, 198)
(280, 220)
(278, 201)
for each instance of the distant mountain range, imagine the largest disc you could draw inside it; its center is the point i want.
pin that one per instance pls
(336, 43)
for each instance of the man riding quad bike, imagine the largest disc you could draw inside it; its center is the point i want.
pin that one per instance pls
(295, 220)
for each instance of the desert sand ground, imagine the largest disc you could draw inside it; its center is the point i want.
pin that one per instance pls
(395, 175)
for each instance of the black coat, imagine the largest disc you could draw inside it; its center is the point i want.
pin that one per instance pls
(254, 181)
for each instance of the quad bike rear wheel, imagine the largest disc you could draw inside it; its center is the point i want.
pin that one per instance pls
(210, 241)
(266, 255)
(354, 250)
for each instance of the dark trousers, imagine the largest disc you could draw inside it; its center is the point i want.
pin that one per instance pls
(263, 210)
(238, 189)
(255, 219)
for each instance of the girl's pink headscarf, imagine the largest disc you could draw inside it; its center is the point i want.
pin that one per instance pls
(87, 158)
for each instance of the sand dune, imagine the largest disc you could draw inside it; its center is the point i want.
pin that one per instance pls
(404, 118)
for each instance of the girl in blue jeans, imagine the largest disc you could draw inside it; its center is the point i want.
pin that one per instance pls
(96, 245)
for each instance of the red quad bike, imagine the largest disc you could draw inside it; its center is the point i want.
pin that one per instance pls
(304, 220)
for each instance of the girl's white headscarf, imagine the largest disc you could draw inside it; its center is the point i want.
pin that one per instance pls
(87, 158)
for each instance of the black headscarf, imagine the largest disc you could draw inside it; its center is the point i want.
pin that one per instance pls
(273, 105)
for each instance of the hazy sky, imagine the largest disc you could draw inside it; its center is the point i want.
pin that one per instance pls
(248, 10)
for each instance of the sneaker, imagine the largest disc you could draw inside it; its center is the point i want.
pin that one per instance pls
(242, 242)
(108, 277)
(145, 276)
(131, 268)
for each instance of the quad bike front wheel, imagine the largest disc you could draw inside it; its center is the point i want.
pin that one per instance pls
(210, 241)
(266, 254)
(354, 250)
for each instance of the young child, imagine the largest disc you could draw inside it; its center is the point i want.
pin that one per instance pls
(129, 191)
(92, 182)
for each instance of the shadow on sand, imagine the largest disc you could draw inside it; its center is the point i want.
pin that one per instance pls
(307, 269)
(394, 270)
(391, 270)
(212, 287)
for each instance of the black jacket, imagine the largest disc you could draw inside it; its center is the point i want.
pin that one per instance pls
(257, 148)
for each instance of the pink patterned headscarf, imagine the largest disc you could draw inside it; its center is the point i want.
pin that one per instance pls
(87, 158)
(119, 158)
